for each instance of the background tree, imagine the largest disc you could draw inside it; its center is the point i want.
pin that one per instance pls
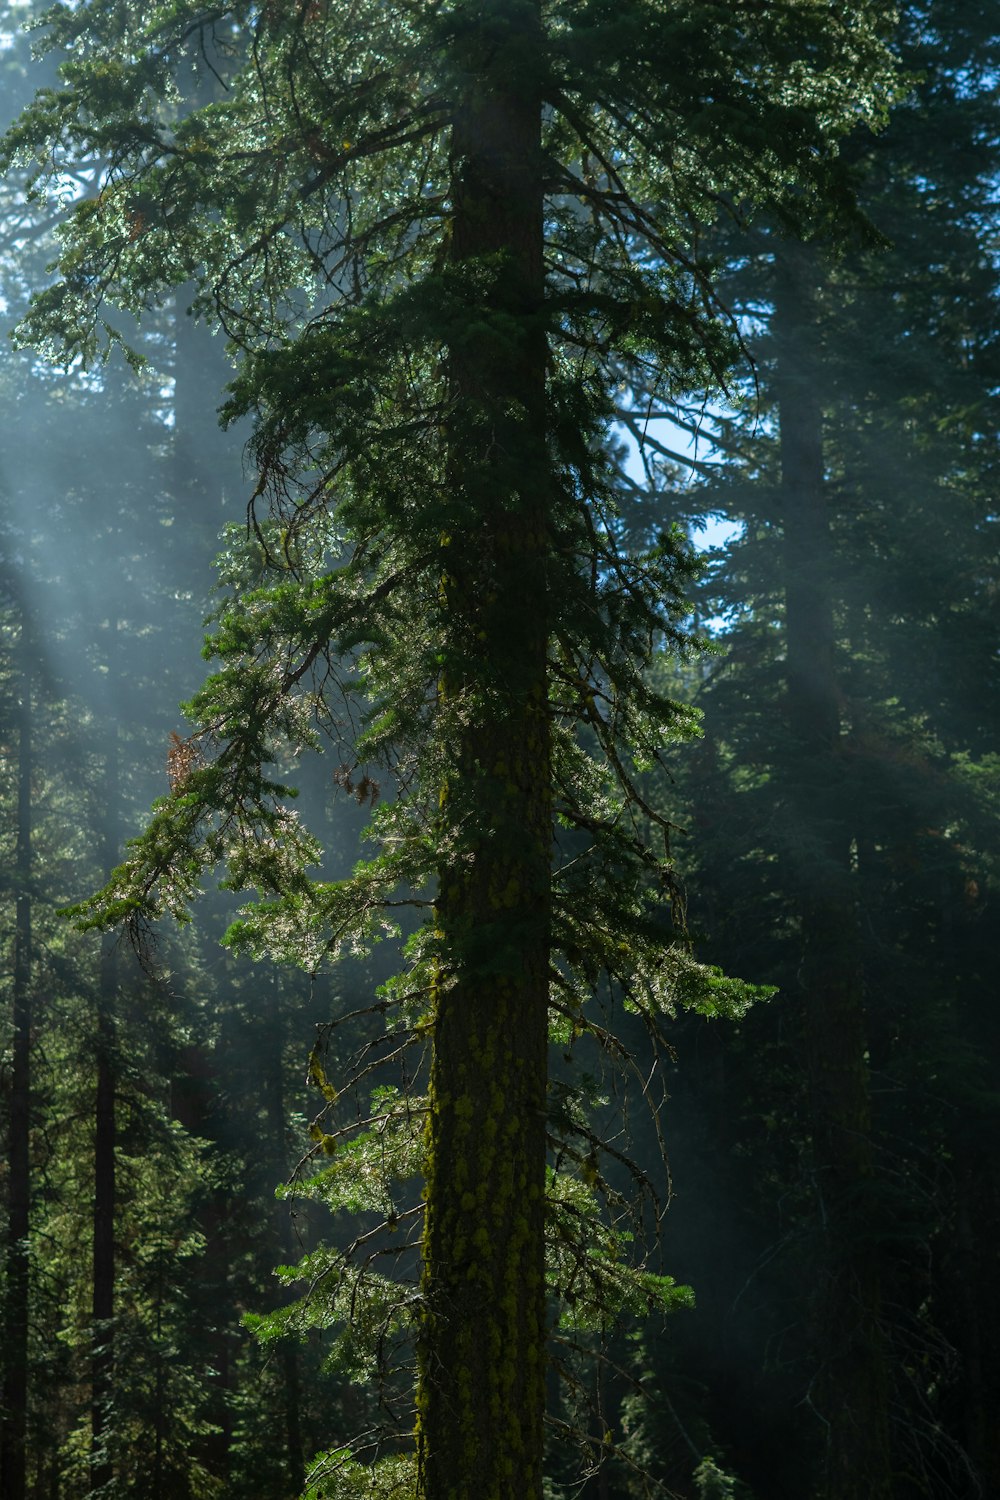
(850, 594)
(13, 1450)
(75, 567)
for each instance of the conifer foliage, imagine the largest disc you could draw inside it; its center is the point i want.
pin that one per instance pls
(846, 780)
(438, 237)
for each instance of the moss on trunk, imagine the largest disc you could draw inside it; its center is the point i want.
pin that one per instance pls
(482, 1345)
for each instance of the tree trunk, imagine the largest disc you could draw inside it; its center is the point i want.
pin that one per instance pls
(102, 1307)
(14, 1405)
(481, 1355)
(103, 1304)
(851, 1393)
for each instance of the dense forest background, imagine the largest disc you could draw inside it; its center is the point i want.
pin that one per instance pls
(833, 1157)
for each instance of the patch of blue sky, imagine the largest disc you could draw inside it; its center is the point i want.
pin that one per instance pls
(695, 455)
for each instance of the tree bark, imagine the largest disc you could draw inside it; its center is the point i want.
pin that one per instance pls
(481, 1355)
(14, 1405)
(851, 1393)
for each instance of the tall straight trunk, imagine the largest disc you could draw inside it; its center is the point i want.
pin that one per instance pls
(103, 1292)
(103, 1305)
(160, 1414)
(852, 1390)
(14, 1405)
(201, 458)
(481, 1353)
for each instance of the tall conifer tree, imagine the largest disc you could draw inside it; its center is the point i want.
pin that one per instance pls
(846, 734)
(437, 236)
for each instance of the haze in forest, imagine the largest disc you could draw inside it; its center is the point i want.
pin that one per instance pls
(745, 619)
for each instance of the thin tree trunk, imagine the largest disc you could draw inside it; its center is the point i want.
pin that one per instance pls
(102, 1353)
(103, 1304)
(481, 1355)
(14, 1405)
(851, 1393)
(200, 460)
(160, 1415)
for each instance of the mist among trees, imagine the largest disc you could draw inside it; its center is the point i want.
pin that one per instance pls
(514, 1017)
